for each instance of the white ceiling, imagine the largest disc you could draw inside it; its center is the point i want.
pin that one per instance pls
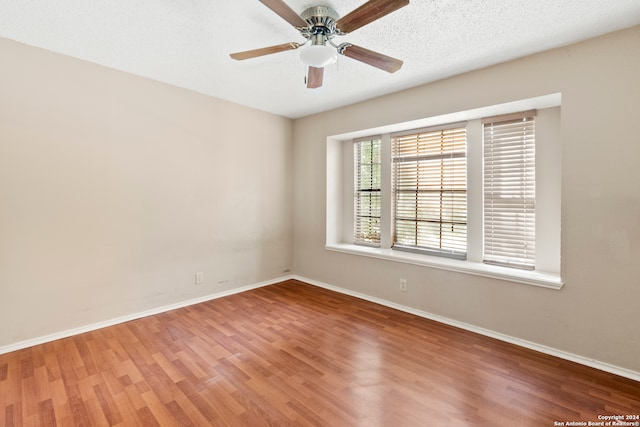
(187, 42)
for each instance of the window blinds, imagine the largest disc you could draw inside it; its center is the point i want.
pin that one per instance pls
(430, 191)
(367, 192)
(509, 190)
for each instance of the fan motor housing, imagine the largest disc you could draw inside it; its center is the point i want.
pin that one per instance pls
(321, 19)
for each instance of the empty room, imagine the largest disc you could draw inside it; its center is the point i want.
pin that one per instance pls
(301, 213)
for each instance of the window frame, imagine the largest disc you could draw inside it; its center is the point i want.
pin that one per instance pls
(339, 195)
(360, 190)
(446, 139)
(508, 203)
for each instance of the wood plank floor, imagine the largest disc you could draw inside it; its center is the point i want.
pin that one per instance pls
(294, 354)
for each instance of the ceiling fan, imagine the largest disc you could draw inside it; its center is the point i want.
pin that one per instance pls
(319, 25)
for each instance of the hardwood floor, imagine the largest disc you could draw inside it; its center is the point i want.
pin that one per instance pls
(294, 354)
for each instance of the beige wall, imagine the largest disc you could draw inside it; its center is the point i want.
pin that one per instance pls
(115, 190)
(597, 313)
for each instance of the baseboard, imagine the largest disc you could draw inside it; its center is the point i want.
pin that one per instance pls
(99, 325)
(606, 367)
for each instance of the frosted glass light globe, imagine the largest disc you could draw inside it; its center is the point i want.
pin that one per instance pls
(318, 55)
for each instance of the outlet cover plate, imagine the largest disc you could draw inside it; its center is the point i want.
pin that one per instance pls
(199, 278)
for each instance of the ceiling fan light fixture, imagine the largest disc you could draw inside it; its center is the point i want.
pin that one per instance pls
(318, 55)
(319, 25)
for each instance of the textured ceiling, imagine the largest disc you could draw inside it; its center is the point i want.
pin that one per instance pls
(187, 42)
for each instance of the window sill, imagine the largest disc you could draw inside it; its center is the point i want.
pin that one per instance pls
(535, 278)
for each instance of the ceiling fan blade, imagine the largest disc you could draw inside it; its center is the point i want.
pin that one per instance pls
(367, 13)
(314, 77)
(375, 59)
(264, 51)
(285, 12)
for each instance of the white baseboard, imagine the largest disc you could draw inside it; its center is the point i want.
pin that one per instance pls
(99, 325)
(623, 372)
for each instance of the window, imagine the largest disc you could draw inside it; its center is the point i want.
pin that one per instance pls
(441, 186)
(367, 192)
(509, 190)
(430, 191)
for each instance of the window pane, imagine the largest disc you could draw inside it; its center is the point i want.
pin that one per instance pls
(509, 193)
(430, 191)
(367, 192)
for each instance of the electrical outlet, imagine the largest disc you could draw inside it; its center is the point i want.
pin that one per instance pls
(403, 285)
(199, 278)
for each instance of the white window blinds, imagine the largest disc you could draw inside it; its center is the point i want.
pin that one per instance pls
(430, 191)
(509, 190)
(366, 229)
